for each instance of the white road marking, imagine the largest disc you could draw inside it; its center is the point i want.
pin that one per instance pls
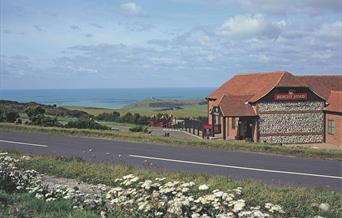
(25, 143)
(236, 167)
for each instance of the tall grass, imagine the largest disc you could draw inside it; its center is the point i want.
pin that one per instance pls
(25, 205)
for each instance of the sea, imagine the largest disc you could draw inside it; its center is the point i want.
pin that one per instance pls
(102, 98)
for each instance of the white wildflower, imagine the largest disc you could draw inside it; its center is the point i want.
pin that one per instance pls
(238, 205)
(324, 207)
(203, 187)
(103, 214)
(147, 184)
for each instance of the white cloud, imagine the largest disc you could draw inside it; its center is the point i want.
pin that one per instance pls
(249, 26)
(132, 9)
(83, 69)
(331, 30)
(292, 6)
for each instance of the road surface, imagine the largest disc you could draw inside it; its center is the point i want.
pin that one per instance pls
(271, 169)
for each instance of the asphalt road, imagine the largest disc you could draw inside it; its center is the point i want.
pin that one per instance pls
(271, 169)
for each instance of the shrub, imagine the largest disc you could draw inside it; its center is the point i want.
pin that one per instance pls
(139, 129)
(35, 114)
(2, 115)
(49, 121)
(127, 118)
(85, 124)
(115, 116)
(11, 116)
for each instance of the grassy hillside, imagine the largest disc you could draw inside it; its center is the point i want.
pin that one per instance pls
(179, 108)
(90, 110)
(51, 110)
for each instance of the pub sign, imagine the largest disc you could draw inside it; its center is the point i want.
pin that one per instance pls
(216, 111)
(291, 96)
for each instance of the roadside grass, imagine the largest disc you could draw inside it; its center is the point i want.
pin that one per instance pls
(116, 124)
(25, 205)
(141, 137)
(298, 202)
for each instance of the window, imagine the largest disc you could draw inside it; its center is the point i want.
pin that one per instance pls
(331, 127)
(233, 123)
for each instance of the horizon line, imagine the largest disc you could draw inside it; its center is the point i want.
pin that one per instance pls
(180, 87)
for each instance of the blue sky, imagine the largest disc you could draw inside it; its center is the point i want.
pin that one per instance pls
(169, 43)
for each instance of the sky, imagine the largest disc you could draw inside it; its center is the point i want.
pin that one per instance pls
(166, 43)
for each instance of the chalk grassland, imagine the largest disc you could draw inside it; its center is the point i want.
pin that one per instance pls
(184, 108)
(141, 137)
(297, 202)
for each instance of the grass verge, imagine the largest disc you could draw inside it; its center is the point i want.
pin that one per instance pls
(24, 205)
(141, 137)
(298, 202)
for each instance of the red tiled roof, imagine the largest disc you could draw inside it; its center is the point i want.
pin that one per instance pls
(256, 85)
(322, 85)
(235, 105)
(335, 101)
(233, 94)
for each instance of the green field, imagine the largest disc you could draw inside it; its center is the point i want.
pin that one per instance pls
(90, 110)
(178, 108)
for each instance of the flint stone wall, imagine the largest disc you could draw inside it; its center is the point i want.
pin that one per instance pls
(291, 106)
(294, 139)
(277, 125)
(291, 123)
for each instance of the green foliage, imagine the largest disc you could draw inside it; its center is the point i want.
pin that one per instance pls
(37, 116)
(8, 115)
(2, 116)
(135, 118)
(86, 124)
(139, 129)
(12, 116)
(52, 110)
(35, 112)
(24, 205)
(115, 116)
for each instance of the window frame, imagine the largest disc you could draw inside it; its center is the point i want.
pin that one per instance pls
(331, 127)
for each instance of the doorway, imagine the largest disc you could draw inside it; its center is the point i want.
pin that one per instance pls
(245, 129)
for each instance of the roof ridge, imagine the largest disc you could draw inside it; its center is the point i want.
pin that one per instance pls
(335, 75)
(280, 78)
(258, 73)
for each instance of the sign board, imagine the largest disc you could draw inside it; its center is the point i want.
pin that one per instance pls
(216, 111)
(291, 96)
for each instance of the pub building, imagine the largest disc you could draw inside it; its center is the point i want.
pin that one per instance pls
(278, 108)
